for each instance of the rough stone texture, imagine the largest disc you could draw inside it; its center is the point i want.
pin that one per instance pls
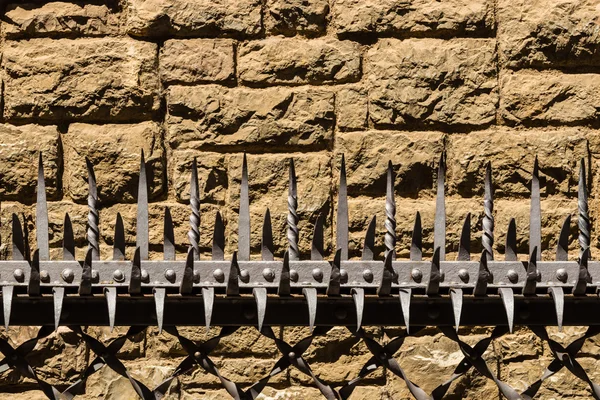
(294, 61)
(304, 17)
(352, 108)
(430, 81)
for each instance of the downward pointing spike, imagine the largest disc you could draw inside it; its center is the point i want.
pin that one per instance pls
(111, 301)
(260, 296)
(508, 300)
(456, 296)
(311, 300)
(159, 303)
(334, 281)
(416, 244)
(142, 235)
(464, 245)
(583, 219)
(85, 287)
(68, 240)
(187, 281)
(218, 247)
(562, 247)
(405, 297)
(369, 244)
(244, 216)
(93, 225)
(18, 245)
(342, 213)
(435, 277)
(385, 288)
(535, 217)
(41, 211)
(390, 213)
(135, 282)
(267, 238)
(316, 251)
(292, 216)
(7, 297)
(194, 232)
(58, 295)
(511, 241)
(439, 231)
(169, 237)
(358, 295)
(119, 242)
(208, 296)
(284, 280)
(532, 274)
(558, 295)
(233, 284)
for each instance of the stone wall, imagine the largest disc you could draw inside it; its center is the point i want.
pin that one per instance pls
(376, 80)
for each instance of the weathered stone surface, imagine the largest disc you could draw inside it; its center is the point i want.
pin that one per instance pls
(19, 161)
(541, 98)
(351, 106)
(114, 150)
(197, 61)
(415, 18)
(295, 61)
(214, 116)
(430, 81)
(190, 18)
(60, 19)
(304, 17)
(551, 33)
(106, 79)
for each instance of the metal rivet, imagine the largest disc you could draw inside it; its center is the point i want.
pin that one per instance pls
(294, 275)
(197, 354)
(368, 275)
(433, 312)
(118, 276)
(170, 275)
(145, 276)
(317, 274)
(341, 313)
(268, 274)
(219, 275)
(196, 276)
(416, 275)
(343, 275)
(44, 276)
(463, 274)
(68, 275)
(249, 313)
(244, 275)
(538, 276)
(95, 276)
(512, 276)
(19, 274)
(562, 275)
(292, 354)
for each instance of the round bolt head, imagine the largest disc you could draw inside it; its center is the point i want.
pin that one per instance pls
(343, 275)
(268, 274)
(95, 276)
(118, 276)
(170, 275)
(562, 275)
(44, 276)
(196, 277)
(68, 275)
(341, 313)
(244, 276)
(416, 275)
(538, 276)
(317, 274)
(145, 276)
(197, 354)
(368, 275)
(463, 274)
(292, 354)
(512, 276)
(294, 275)
(19, 274)
(219, 275)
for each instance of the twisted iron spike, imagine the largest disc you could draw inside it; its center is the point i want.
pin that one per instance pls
(18, 244)
(266, 246)
(292, 216)
(535, 217)
(464, 244)
(208, 296)
(405, 297)
(456, 297)
(187, 281)
(244, 216)
(233, 284)
(159, 303)
(311, 300)
(558, 296)
(41, 214)
(169, 237)
(119, 242)
(93, 225)
(58, 295)
(218, 245)
(433, 286)
(358, 296)
(385, 287)
(439, 230)
(194, 232)
(390, 213)
(369, 244)
(68, 240)
(531, 277)
(142, 233)
(487, 240)
(33, 288)
(416, 244)
(333, 289)
(508, 300)
(583, 220)
(284, 279)
(85, 286)
(135, 281)
(260, 296)
(7, 297)
(317, 248)
(562, 246)
(510, 253)
(583, 278)
(483, 276)
(342, 213)
(111, 302)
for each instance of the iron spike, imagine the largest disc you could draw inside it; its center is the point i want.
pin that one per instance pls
(194, 232)
(159, 303)
(333, 289)
(111, 301)
(260, 296)
(510, 253)
(456, 297)
(7, 297)
(464, 245)
(535, 217)
(369, 244)
(439, 229)
(292, 216)
(311, 300)
(58, 295)
(562, 246)
(18, 244)
(358, 295)
(484, 276)
(33, 289)
(218, 246)
(135, 281)
(85, 286)
(416, 244)
(558, 295)
(284, 280)
(68, 240)
(244, 216)
(169, 237)
(187, 281)
(405, 297)
(583, 220)
(342, 213)
(390, 213)
(583, 278)
(317, 248)
(532, 274)
(93, 225)
(267, 238)
(433, 286)
(41, 211)
(208, 296)
(142, 234)
(487, 239)
(508, 300)
(119, 242)
(385, 288)
(233, 284)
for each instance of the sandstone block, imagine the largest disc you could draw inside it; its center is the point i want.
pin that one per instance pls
(351, 105)
(304, 17)
(430, 82)
(191, 18)
(211, 116)
(197, 61)
(295, 61)
(86, 79)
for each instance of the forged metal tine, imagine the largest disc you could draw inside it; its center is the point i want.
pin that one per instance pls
(484, 276)
(266, 247)
(464, 245)
(85, 286)
(385, 288)
(159, 303)
(169, 237)
(260, 296)
(111, 301)
(135, 281)
(583, 278)
(187, 281)
(508, 300)
(208, 296)
(58, 295)
(18, 244)
(7, 297)
(284, 279)
(341, 233)
(487, 240)
(119, 242)
(583, 219)
(358, 295)
(218, 246)
(68, 240)
(532, 273)
(405, 296)
(311, 300)
(439, 229)
(535, 217)
(390, 213)
(433, 286)
(233, 284)
(558, 295)
(244, 216)
(456, 297)
(510, 253)
(292, 216)
(142, 234)
(93, 225)
(41, 214)
(316, 250)
(416, 244)
(33, 289)
(333, 289)
(194, 232)
(562, 246)
(369, 244)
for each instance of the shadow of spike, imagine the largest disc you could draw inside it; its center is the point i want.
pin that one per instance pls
(187, 281)
(416, 244)
(464, 244)
(68, 239)
(333, 289)
(218, 245)
(532, 273)
(510, 254)
(119, 240)
(284, 288)
(18, 244)
(369, 242)
(433, 286)
(562, 246)
(317, 248)
(169, 237)
(85, 287)
(266, 244)
(135, 281)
